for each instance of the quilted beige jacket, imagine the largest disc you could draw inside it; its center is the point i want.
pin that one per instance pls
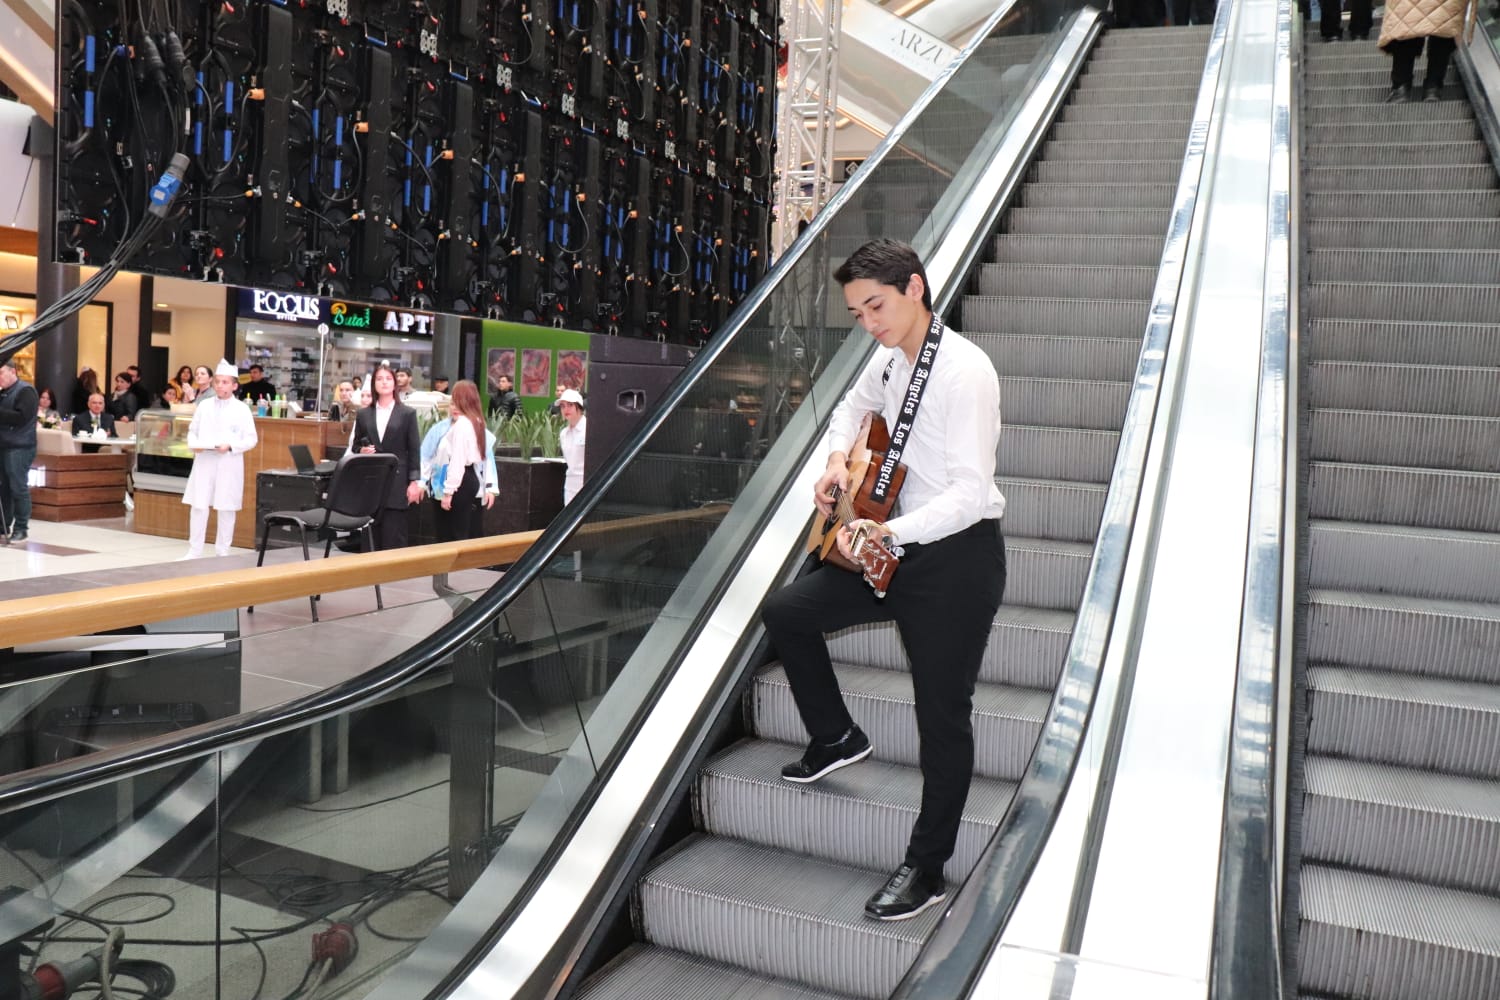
(1420, 18)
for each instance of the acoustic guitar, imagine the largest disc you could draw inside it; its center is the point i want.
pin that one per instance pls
(872, 557)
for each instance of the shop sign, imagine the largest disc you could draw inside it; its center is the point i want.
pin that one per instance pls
(287, 307)
(406, 322)
(350, 316)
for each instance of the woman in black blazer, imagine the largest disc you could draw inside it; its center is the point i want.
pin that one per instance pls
(400, 438)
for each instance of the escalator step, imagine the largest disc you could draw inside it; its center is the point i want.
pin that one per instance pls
(1426, 130)
(1103, 149)
(1135, 251)
(1083, 222)
(1404, 204)
(1161, 171)
(1057, 453)
(1415, 234)
(1426, 498)
(1418, 562)
(1006, 720)
(1464, 344)
(1376, 111)
(1414, 153)
(1376, 300)
(1185, 93)
(1084, 281)
(1455, 640)
(1143, 73)
(860, 815)
(1422, 267)
(1359, 95)
(1386, 939)
(1056, 402)
(1432, 828)
(1064, 317)
(1371, 385)
(1105, 359)
(1043, 573)
(1370, 78)
(1404, 721)
(1046, 508)
(644, 972)
(1172, 132)
(1026, 648)
(1179, 113)
(1098, 194)
(1435, 441)
(783, 916)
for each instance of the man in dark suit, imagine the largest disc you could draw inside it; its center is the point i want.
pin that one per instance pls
(94, 417)
(389, 427)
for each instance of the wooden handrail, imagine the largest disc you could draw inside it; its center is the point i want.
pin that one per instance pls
(59, 616)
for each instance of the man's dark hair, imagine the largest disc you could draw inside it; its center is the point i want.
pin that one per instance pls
(888, 262)
(257, 368)
(405, 369)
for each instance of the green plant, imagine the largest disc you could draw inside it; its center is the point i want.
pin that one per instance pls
(426, 420)
(531, 432)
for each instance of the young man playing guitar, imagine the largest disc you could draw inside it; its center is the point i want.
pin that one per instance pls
(939, 394)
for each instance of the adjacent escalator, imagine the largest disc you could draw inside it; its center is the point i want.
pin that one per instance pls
(1399, 887)
(763, 898)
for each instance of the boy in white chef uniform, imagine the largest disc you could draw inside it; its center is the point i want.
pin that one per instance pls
(222, 430)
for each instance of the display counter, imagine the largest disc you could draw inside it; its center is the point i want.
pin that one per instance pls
(73, 487)
(163, 462)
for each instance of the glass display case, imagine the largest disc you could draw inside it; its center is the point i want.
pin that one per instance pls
(162, 457)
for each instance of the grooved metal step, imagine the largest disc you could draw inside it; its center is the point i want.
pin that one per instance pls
(1106, 172)
(1370, 385)
(1059, 402)
(1418, 562)
(1432, 440)
(1377, 79)
(1471, 177)
(1386, 939)
(1404, 720)
(1374, 112)
(1049, 508)
(1461, 130)
(1084, 281)
(1463, 344)
(646, 972)
(1140, 72)
(1043, 573)
(1177, 112)
(1412, 824)
(1425, 267)
(1006, 720)
(784, 916)
(1101, 149)
(740, 794)
(1026, 648)
(1098, 195)
(1412, 153)
(1455, 640)
(1065, 317)
(1057, 453)
(1415, 234)
(1139, 251)
(1375, 300)
(1428, 498)
(1150, 131)
(1362, 94)
(1404, 204)
(1185, 93)
(1105, 359)
(1084, 222)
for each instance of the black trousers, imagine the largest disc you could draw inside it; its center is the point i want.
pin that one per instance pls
(1192, 12)
(943, 600)
(1140, 13)
(462, 520)
(1404, 60)
(392, 528)
(1361, 17)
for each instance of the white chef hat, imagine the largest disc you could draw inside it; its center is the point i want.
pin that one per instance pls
(225, 368)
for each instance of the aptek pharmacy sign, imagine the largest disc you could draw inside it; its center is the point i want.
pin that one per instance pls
(310, 310)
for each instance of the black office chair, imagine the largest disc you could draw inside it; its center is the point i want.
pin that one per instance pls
(356, 495)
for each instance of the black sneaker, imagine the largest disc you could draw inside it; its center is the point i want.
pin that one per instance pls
(18, 536)
(905, 894)
(1399, 94)
(1431, 95)
(821, 758)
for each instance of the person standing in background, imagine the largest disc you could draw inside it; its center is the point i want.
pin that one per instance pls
(389, 427)
(440, 384)
(18, 403)
(258, 387)
(505, 402)
(1407, 26)
(572, 440)
(86, 386)
(343, 408)
(403, 383)
(222, 430)
(430, 445)
(184, 383)
(124, 403)
(203, 383)
(463, 461)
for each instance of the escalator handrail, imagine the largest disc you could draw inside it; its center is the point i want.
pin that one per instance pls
(40, 784)
(953, 958)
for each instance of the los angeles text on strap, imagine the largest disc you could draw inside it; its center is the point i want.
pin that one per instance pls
(920, 373)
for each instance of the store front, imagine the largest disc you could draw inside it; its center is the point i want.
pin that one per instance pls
(307, 345)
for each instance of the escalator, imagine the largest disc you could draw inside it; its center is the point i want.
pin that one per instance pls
(763, 897)
(1399, 887)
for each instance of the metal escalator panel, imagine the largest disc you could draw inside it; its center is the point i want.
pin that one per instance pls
(1398, 888)
(767, 891)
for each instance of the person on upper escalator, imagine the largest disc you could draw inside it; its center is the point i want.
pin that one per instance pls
(1408, 25)
(941, 397)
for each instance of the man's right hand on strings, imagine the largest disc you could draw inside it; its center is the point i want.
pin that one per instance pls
(837, 474)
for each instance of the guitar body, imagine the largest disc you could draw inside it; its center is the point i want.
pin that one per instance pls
(876, 561)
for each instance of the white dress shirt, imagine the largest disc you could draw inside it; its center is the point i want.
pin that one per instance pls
(572, 441)
(950, 454)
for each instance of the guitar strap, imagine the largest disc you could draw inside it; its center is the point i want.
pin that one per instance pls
(920, 373)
